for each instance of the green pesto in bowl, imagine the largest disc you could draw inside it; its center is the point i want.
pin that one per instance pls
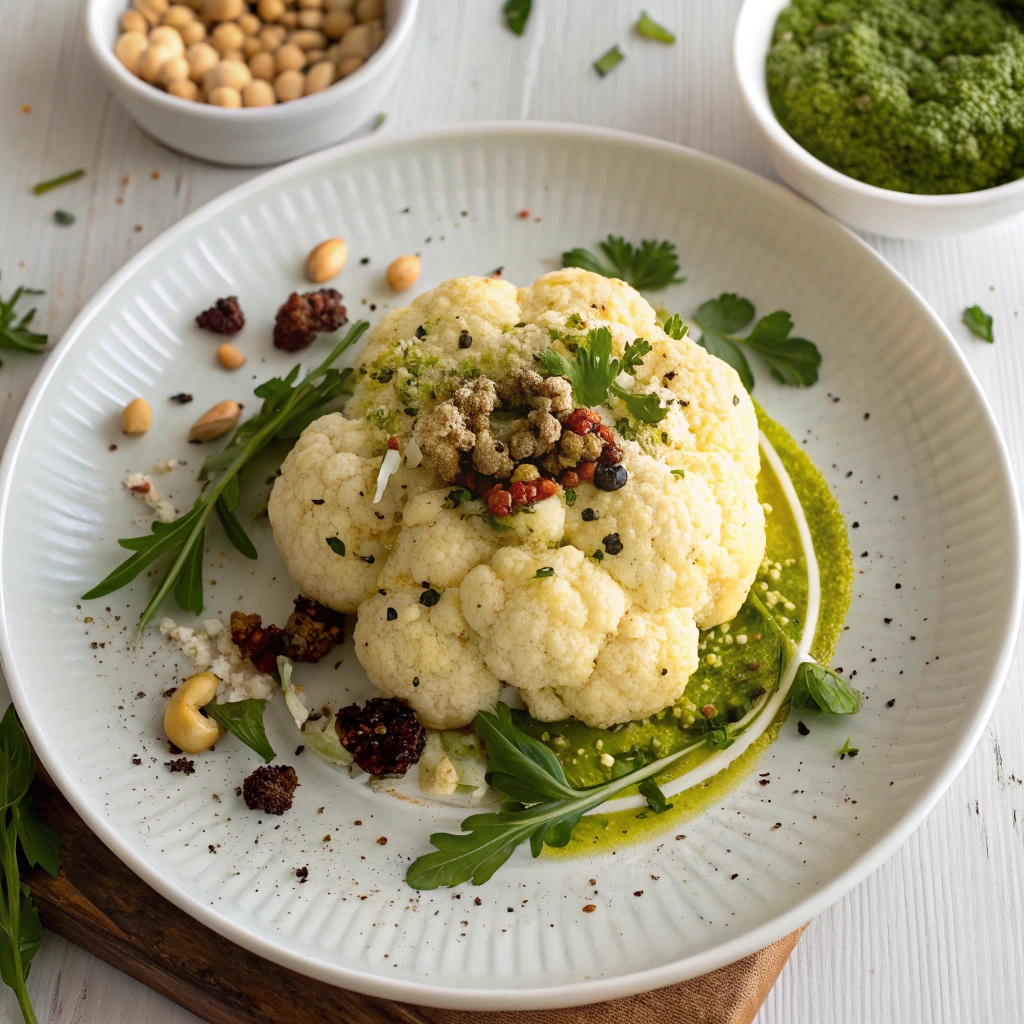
(921, 96)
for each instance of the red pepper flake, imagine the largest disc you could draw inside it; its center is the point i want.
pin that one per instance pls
(586, 471)
(383, 841)
(709, 711)
(393, 444)
(523, 214)
(546, 488)
(25, 108)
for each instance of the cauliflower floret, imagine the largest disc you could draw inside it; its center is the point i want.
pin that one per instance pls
(427, 656)
(325, 490)
(536, 629)
(643, 669)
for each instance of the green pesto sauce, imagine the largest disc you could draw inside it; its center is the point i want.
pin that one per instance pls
(730, 673)
(921, 96)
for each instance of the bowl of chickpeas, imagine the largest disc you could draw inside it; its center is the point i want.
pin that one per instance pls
(250, 83)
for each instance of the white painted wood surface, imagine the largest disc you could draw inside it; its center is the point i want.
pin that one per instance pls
(937, 934)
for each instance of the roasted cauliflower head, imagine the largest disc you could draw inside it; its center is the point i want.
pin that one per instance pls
(523, 537)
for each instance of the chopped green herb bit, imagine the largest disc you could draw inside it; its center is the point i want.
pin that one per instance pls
(63, 218)
(570, 496)
(609, 61)
(543, 573)
(336, 544)
(681, 473)
(516, 12)
(979, 323)
(45, 186)
(598, 556)
(847, 749)
(650, 29)
(648, 267)
(456, 497)
(15, 333)
(378, 121)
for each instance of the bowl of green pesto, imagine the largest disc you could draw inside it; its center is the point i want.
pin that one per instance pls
(901, 117)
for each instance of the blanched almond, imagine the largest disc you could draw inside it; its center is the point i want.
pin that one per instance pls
(229, 356)
(403, 272)
(215, 422)
(327, 260)
(136, 417)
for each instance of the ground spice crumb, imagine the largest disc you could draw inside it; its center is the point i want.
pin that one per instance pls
(299, 749)
(302, 874)
(172, 749)
(327, 838)
(802, 729)
(136, 760)
(183, 765)
(639, 892)
(170, 692)
(589, 908)
(477, 901)
(890, 703)
(383, 841)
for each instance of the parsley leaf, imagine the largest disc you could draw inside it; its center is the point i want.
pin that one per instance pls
(978, 322)
(792, 361)
(650, 29)
(14, 333)
(648, 267)
(516, 12)
(244, 718)
(592, 372)
(675, 328)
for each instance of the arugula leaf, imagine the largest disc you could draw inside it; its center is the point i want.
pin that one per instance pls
(244, 718)
(592, 372)
(288, 407)
(792, 361)
(14, 333)
(607, 62)
(516, 12)
(528, 772)
(978, 322)
(650, 29)
(21, 931)
(648, 267)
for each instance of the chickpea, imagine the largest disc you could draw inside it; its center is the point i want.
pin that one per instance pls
(270, 10)
(250, 24)
(308, 39)
(337, 23)
(310, 5)
(186, 727)
(319, 77)
(174, 70)
(272, 37)
(184, 89)
(223, 10)
(263, 67)
(327, 259)
(369, 10)
(233, 55)
(193, 32)
(310, 19)
(227, 36)
(251, 47)
(289, 85)
(133, 21)
(289, 19)
(403, 272)
(258, 93)
(290, 58)
(356, 42)
(178, 16)
(167, 38)
(230, 73)
(137, 417)
(349, 64)
(129, 48)
(201, 58)
(339, 5)
(151, 60)
(151, 10)
(224, 96)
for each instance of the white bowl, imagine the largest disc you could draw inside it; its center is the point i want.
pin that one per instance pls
(260, 135)
(867, 207)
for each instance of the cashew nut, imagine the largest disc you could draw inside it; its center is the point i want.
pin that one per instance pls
(185, 726)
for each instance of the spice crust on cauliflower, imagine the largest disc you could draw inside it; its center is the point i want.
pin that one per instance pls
(524, 539)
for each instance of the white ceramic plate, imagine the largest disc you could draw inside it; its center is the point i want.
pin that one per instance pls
(897, 423)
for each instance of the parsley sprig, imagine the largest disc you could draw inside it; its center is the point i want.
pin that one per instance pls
(978, 322)
(516, 13)
(593, 369)
(544, 810)
(21, 931)
(288, 408)
(793, 361)
(15, 333)
(648, 267)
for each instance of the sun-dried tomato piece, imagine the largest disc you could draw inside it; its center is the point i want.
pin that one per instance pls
(224, 317)
(586, 471)
(605, 433)
(260, 644)
(384, 738)
(524, 492)
(570, 479)
(610, 454)
(270, 788)
(499, 502)
(546, 488)
(303, 317)
(581, 421)
(312, 630)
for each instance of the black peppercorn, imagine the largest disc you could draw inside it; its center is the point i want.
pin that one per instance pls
(465, 339)
(589, 515)
(612, 544)
(610, 478)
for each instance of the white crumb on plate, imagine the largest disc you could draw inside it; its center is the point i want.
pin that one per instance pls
(142, 486)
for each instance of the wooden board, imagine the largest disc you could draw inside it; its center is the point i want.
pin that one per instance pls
(99, 904)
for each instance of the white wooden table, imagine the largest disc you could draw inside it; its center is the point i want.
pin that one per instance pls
(937, 934)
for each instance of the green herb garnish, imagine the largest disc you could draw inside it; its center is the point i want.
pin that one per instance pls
(543, 573)
(681, 473)
(21, 931)
(792, 361)
(244, 718)
(648, 267)
(609, 61)
(516, 12)
(337, 545)
(45, 186)
(592, 372)
(847, 749)
(14, 333)
(456, 497)
(288, 408)
(570, 496)
(650, 29)
(675, 328)
(978, 322)
(63, 218)
(528, 773)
